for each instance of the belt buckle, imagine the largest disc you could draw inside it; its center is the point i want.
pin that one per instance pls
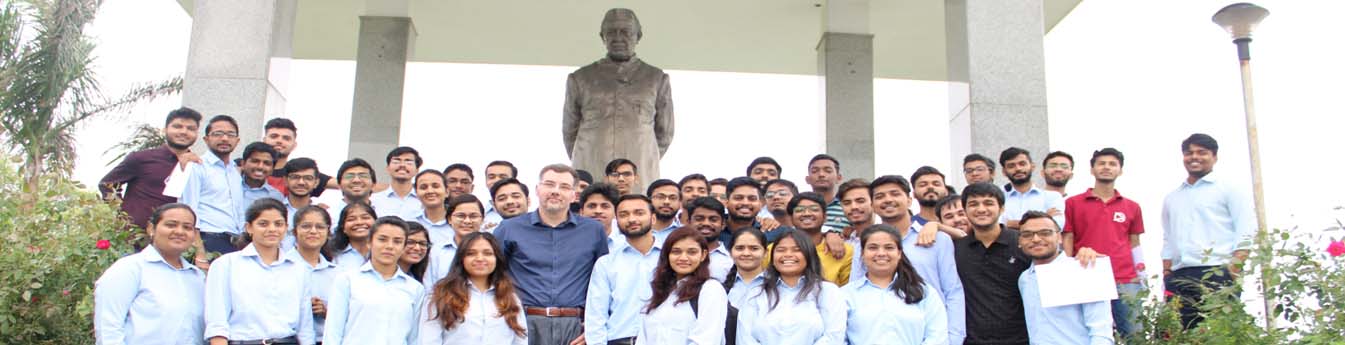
(549, 311)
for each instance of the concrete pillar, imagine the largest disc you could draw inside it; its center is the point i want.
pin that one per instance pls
(996, 67)
(845, 64)
(385, 44)
(238, 62)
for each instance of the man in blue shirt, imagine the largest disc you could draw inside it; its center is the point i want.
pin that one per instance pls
(214, 190)
(619, 288)
(550, 256)
(1021, 194)
(258, 161)
(1208, 226)
(929, 189)
(1086, 323)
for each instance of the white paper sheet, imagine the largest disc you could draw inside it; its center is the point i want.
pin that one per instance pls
(177, 181)
(1065, 282)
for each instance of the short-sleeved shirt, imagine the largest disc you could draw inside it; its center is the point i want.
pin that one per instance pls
(990, 288)
(1106, 226)
(551, 265)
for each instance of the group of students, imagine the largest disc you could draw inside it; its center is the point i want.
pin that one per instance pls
(754, 262)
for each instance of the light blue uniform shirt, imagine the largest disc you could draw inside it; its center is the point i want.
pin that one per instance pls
(320, 282)
(349, 260)
(143, 300)
(387, 203)
(819, 320)
(1087, 323)
(877, 316)
(251, 195)
(441, 261)
(440, 232)
(661, 235)
(740, 288)
(1016, 204)
(618, 290)
(366, 309)
(938, 268)
(673, 323)
(482, 324)
(248, 300)
(214, 190)
(720, 262)
(1209, 216)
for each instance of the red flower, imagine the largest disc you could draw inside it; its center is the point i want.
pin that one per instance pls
(103, 244)
(1336, 248)
(1168, 293)
(65, 292)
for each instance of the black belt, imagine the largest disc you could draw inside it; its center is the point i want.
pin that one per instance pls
(290, 340)
(622, 341)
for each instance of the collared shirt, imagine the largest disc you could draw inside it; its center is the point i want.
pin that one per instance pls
(916, 219)
(441, 261)
(214, 190)
(616, 240)
(440, 232)
(815, 320)
(673, 323)
(990, 287)
(365, 308)
(142, 299)
(617, 292)
(551, 265)
(661, 235)
(482, 324)
(1016, 203)
(387, 203)
(1211, 216)
(492, 218)
(938, 268)
(1087, 323)
(144, 173)
(277, 180)
(1106, 227)
(246, 299)
(288, 242)
(349, 260)
(877, 316)
(321, 281)
(738, 293)
(721, 261)
(251, 195)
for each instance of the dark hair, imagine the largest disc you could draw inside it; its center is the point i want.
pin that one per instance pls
(810, 196)
(982, 189)
(763, 160)
(979, 157)
(617, 163)
(258, 146)
(603, 189)
(890, 179)
(1011, 153)
(353, 163)
(254, 211)
(1120, 158)
(495, 190)
(513, 171)
(693, 177)
(417, 270)
(401, 151)
(1030, 215)
(301, 164)
(282, 123)
(663, 182)
(812, 273)
(926, 170)
(826, 157)
(719, 181)
(299, 214)
(628, 197)
(184, 113)
(907, 284)
(852, 184)
(1202, 140)
(705, 202)
(451, 295)
(733, 241)
(388, 220)
(665, 279)
(1058, 154)
(792, 188)
(583, 175)
(465, 198)
(157, 216)
(339, 239)
(416, 181)
(460, 166)
(219, 118)
(944, 202)
(744, 181)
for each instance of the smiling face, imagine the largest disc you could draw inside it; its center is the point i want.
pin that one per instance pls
(977, 172)
(1198, 160)
(358, 222)
(598, 208)
(707, 222)
(953, 215)
(387, 245)
(1019, 170)
(1106, 169)
(430, 190)
(510, 201)
(685, 256)
(257, 167)
(555, 191)
(881, 254)
(417, 245)
(174, 233)
(402, 167)
(356, 183)
(929, 189)
(764, 172)
(180, 133)
(808, 215)
(744, 203)
(633, 218)
(1038, 238)
(693, 189)
(890, 202)
(497, 172)
(311, 232)
(466, 218)
(983, 211)
(1057, 171)
(855, 203)
(281, 139)
(221, 138)
(787, 258)
(478, 259)
(748, 252)
(667, 199)
(301, 183)
(458, 182)
(267, 230)
(777, 198)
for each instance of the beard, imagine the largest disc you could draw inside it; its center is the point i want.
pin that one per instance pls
(1057, 183)
(1023, 180)
(927, 203)
(1048, 255)
(640, 232)
(177, 146)
(742, 219)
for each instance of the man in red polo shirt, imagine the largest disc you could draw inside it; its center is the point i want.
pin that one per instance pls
(1110, 224)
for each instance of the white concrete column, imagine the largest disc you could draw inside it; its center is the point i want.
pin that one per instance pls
(996, 66)
(845, 64)
(238, 62)
(385, 44)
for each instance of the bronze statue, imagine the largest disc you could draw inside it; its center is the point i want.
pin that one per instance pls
(619, 106)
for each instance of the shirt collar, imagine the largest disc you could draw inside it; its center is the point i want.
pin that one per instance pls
(1005, 237)
(421, 218)
(1116, 195)
(721, 249)
(251, 250)
(536, 218)
(150, 254)
(1208, 178)
(293, 254)
(1031, 191)
(391, 193)
(368, 266)
(212, 159)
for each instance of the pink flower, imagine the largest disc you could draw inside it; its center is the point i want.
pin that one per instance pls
(103, 244)
(65, 292)
(1336, 248)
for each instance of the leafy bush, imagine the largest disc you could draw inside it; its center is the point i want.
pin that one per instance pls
(52, 257)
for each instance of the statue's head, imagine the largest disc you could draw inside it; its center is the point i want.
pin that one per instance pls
(620, 33)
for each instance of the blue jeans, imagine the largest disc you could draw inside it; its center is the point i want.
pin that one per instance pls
(1120, 310)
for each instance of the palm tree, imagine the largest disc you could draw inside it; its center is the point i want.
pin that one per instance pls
(47, 85)
(145, 136)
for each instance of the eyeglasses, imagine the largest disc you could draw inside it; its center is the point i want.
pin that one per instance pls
(1058, 165)
(463, 181)
(813, 208)
(661, 196)
(781, 193)
(396, 161)
(352, 176)
(225, 134)
(465, 216)
(422, 244)
(1028, 235)
(305, 178)
(626, 174)
(974, 170)
(720, 196)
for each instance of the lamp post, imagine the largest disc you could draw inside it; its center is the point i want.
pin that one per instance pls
(1239, 20)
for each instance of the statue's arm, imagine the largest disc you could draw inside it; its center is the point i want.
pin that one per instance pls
(663, 116)
(573, 115)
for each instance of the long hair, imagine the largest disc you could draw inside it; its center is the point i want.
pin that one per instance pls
(417, 270)
(665, 279)
(299, 215)
(812, 273)
(340, 240)
(907, 284)
(733, 271)
(452, 294)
